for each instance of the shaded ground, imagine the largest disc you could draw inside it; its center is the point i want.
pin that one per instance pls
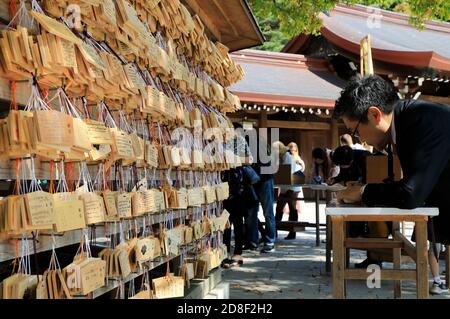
(297, 270)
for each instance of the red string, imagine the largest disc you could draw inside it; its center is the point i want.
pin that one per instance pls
(13, 96)
(108, 175)
(12, 10)
(44, 93)
(15, 243)
(69, 172)
(51, 190)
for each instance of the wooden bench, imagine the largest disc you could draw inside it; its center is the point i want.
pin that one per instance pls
(419, 253)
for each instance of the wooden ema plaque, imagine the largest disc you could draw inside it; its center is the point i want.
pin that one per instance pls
(151, 155)
(124, 205)
(81, 140)
(54, 129)
(109, 199)
(168, 287)
(122, 146)
(55, 27)
(144, 250)
(98, 133)
(92, 274)
(40, 209)
(195, 197)
(69, 215)
(94, 208)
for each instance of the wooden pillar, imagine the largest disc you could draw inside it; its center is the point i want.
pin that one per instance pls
(397, 256)
(334, 134)
(337, 223)
(263, 119)
(422, 259)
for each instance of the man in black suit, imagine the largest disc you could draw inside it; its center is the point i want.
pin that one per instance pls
(419, 131)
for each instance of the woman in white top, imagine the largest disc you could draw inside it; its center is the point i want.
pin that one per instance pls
(299, 163)
(288, 195)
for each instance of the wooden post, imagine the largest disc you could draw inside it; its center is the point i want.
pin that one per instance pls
(397, 254)
(263, 119)
(317, 218)
(337, 223)
(328, 246)
(422, 259)
(366, 64)
(334, 134)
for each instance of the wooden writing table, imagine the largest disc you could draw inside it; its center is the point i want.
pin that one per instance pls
(419, 253)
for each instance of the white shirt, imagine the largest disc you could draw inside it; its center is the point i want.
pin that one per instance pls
(358, 146)
(288, 158)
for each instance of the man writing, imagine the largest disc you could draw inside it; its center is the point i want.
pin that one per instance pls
(419, 131)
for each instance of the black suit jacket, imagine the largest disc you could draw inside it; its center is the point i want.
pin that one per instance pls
(423, 147)
(356, 171)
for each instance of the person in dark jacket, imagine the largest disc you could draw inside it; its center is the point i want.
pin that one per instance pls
(263, 190)
(352, 165)
(419, 132)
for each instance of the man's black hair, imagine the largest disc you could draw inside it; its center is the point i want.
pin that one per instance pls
(343, 155)
(319, 153)
(362, 93)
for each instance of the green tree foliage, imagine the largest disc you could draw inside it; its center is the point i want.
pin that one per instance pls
(275, 39)
(281, 20)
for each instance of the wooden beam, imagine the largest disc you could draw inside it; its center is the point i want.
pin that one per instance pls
(275, 99)
(409, 248)
(404, 274)
(263, 119)
(226, 17)
(299, 125)
(195, 6)
(334, 133)
(366, 243)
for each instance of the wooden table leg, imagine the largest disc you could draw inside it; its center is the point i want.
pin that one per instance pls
(338, 257)
(447, 265)
(328, 246)
(422, 259)
(347, 250)
(317, 219)
(397, 256)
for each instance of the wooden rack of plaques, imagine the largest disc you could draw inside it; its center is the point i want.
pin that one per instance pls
(131, 66)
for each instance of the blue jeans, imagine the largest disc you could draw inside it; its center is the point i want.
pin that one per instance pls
(264, 191)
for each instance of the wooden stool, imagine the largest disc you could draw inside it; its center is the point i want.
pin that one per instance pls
(419, 253)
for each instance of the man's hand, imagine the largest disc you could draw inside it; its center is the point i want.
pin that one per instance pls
(350, 195)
